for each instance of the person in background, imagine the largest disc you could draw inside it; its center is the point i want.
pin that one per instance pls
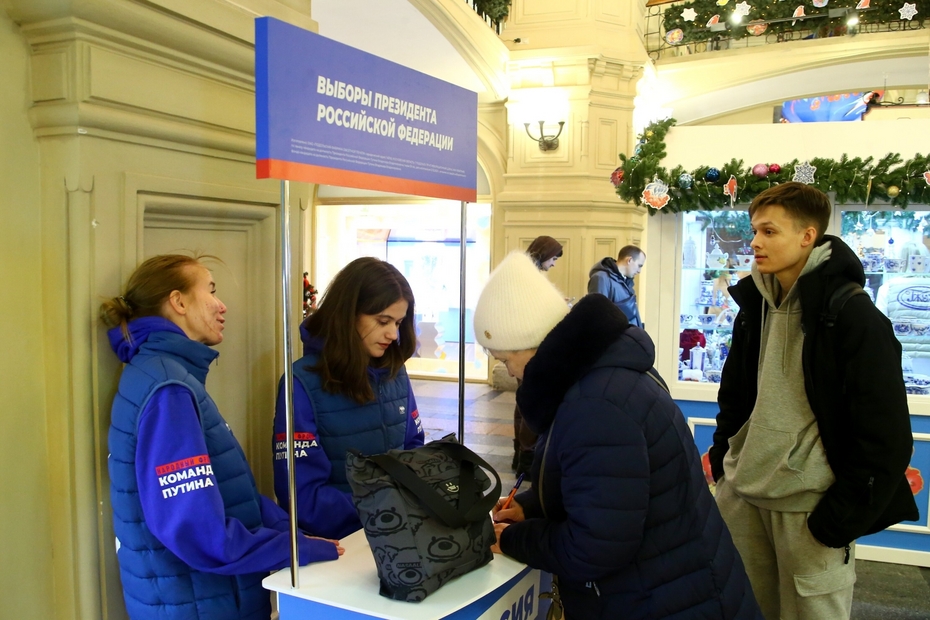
(350, 391)
(813, 435)
(194, 537)
(544, 251)
(619, 510)
(614, 279)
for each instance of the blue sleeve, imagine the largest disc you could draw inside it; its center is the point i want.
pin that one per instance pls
(191, 520)
(600, 283)
(322, 510)
(415, 435)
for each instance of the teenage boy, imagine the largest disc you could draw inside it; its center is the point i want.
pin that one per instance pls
(614, 279)
(813, 435)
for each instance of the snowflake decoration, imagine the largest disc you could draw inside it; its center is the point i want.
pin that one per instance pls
(741, 9)
(908, 11)
(804, 173)
(689, 15)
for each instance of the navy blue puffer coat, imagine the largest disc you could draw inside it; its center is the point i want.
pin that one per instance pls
(621, 512)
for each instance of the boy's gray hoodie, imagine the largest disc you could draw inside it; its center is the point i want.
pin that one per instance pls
(776, 461)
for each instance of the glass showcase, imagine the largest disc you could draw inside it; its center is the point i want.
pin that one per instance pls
(894, 247)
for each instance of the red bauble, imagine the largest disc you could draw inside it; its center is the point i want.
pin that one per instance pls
(774, 168)
(617, 177)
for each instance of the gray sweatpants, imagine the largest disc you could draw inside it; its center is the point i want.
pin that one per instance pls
(793, 575)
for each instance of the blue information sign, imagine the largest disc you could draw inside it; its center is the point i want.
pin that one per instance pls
(330, 114)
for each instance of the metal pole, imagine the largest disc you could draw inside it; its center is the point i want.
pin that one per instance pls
(288, 376)
(462, 245)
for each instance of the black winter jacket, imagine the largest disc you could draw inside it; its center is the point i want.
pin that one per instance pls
(854, 383)
(619, 495)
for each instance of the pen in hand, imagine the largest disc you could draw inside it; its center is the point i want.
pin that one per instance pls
(513, 491)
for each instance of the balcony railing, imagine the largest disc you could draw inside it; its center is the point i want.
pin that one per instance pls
(724, 36)
(493, 12)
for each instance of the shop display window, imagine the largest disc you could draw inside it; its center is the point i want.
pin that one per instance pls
(894, 247)
(715, 255)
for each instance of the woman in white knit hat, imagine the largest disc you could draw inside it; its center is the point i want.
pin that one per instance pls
(619, 510)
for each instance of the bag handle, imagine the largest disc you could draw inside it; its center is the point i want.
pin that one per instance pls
(432, 501)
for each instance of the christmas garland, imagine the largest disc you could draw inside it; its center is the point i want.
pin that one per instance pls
(498, 10)
(692, 21)
(641, 179)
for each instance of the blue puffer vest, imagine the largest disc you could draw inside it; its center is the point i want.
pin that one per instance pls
(372, 428)
(156, 583)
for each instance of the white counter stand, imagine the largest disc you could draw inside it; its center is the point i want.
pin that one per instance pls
(348, 589)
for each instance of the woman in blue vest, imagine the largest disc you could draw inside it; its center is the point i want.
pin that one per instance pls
(350, 391)
(194, 536)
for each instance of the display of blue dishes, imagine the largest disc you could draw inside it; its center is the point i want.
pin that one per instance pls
(902, 328)
(921, 390)
(713, 376)
(706, 320)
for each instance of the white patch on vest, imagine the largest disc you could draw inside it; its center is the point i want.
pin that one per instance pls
(186, 480)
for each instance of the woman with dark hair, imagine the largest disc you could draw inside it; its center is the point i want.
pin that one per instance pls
(350, 391)
(194, 537)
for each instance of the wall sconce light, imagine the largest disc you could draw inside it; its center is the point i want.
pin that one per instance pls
(546, 143)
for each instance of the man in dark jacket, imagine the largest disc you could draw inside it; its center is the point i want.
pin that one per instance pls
(619, 510)
(614, 279)
(813, 436)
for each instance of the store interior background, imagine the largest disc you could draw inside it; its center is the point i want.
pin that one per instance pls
(127, 129)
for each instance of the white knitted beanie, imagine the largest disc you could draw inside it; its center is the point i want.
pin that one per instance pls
(518, 307)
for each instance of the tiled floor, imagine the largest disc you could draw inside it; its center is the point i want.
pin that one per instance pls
(883, 591)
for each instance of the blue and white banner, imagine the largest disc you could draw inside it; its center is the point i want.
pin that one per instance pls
(330, 114)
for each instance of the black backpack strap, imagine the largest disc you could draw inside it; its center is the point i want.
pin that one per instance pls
(837, 300)
(468, 511)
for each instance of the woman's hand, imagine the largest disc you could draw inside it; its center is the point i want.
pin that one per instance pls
(339, 549)
(512, 514)
(498, 528)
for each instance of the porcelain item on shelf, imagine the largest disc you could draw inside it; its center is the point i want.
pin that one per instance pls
(698, 358)
(726, 318)
(717, 259)
(919, 329)
(902, 328)
(712, 376)
(921, 390)
(686, 319)
(895, 265)
(917, 263)
(706, 320)
(745, 260)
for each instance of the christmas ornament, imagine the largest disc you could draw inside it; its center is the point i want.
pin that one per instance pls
(712, 175)
(741, 9)
(774, 168)
(637, 149)
(649, 133)
(656, 194)
(674, 36)
(689, 14)
(893, 191)
(685, 180)
(616, 177)
(927, 177)
(804, 173)
(756, 27)
(722, 2)
(713, 20)
(730, 190)
(863, 4)
(799, 12)
(820, 3)
(908, 11)
(760, 171)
